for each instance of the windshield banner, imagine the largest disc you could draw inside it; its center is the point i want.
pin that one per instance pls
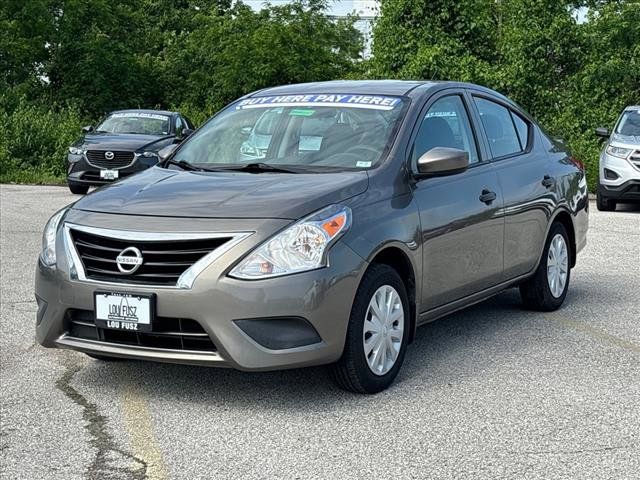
(155, 116)
(373, 102)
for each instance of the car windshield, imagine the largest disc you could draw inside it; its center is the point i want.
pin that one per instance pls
(308, 132)
(629, 123)
(131, 122)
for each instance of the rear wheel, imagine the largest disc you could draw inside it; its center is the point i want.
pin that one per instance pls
(78, 189)
(547, 289)
(377, 333)
(605, 204)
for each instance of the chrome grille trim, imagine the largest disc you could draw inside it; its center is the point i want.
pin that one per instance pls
(121, 159)
(186, 279)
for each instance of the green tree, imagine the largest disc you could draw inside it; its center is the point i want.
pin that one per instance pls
(26, 27)
(227, 55)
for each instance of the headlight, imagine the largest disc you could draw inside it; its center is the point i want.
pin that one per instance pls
(149, 154)
(301, 247)
(48, 254)
(619, 152)
(76, 151)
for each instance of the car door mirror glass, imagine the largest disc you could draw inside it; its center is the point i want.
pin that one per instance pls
(443, 161)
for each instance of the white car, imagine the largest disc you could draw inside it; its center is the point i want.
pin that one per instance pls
(619, 179)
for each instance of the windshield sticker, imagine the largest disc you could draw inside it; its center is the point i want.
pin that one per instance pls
(361, 164)
(155, 116)
(299, 112)
(373, 102)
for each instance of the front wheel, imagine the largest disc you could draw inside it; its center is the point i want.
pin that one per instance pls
(547, 289)
(377, 333)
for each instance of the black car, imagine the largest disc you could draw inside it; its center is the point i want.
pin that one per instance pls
(125, 142)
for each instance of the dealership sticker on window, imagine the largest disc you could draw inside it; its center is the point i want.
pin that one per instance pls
(372, 102)
(299, 112)
(361, 164)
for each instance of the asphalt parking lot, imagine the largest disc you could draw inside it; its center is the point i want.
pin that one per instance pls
(490, 392)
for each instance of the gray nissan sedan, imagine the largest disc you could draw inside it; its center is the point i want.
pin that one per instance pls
(315, 224)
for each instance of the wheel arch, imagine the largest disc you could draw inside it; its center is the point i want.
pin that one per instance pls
(396, 258)
(563, 217)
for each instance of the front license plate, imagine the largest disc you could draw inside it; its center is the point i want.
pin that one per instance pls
(124, 311)
(109, 174)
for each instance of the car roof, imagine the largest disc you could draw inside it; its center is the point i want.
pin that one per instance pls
(144, 110)
(632, 107)
(381, 87)
(371, 87)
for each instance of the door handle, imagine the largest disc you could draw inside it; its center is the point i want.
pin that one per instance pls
(548, 182)
(487, 196)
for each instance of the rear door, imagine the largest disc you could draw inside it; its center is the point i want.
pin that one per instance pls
(462, 231)
(522, 167)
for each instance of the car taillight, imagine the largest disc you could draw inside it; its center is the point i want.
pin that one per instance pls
(577, 163)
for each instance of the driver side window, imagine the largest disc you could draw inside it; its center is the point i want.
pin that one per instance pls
(179, 126)
(446, 124)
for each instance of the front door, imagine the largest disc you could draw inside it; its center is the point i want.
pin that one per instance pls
(460, 215)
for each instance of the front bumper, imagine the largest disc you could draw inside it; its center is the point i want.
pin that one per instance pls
(620, 173)
(323, 298)
(628, 191)
(81, 172)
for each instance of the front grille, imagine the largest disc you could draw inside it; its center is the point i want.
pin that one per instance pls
(119, 160)
(634, 158)
(162, 261)
(168, 333)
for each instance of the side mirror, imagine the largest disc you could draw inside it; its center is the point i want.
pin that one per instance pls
(183, 135)
(602, 132)
(163, 153)
(87, 129)
(441, 161)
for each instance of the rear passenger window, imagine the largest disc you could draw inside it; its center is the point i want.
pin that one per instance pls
(523, 130)
(499, 127)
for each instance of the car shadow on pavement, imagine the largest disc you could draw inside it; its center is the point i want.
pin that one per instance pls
(452, 347)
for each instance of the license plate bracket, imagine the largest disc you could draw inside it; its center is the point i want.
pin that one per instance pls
(125, 311)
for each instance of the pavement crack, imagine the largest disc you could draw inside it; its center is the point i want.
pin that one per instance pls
(110, 459)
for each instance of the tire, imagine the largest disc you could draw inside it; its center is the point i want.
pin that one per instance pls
(540, 292)
(78, 189)
(104, 358)
(353, 372)
(605, 204)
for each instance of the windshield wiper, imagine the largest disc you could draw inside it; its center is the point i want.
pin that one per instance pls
(183, 164)
(257, 167)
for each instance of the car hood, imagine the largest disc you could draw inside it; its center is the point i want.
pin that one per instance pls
(629, 141)
(176, 193)
(120, 141)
